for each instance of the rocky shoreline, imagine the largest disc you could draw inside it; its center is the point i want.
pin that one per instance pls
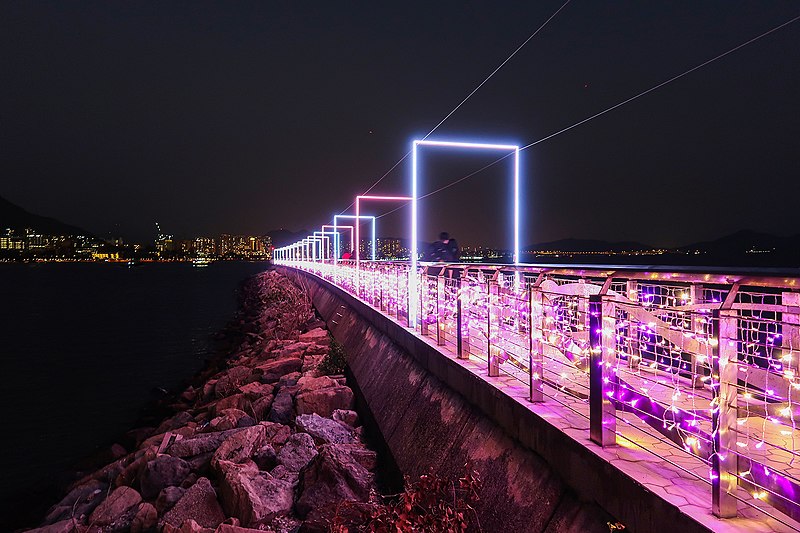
(263, 441)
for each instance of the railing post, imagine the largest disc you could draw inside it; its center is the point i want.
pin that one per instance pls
(492, 351)
(462, 323)
(441, 322)
(423, 302)
(602, 380)
(535, 343)
(724, 380)
(632, 293)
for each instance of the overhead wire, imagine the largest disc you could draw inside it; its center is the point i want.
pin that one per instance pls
(607, 110)
(476, 89)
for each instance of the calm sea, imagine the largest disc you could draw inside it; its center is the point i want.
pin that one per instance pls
(83, 347)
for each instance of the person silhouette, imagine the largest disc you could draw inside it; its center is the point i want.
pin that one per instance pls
(445, 249)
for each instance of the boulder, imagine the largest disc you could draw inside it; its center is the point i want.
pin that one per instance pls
(346, 416)
(177, 421)
(145, 519)
(277, 434)
(289, 380)
(200, 504)
(317, 335)
(261, 407)
(256, 390)
(333, 476)
(251, 495)
(81, 500)
(235, 401)
(229, 382)
(240, 446)
(200, 444)
(168, 497)
(131, 472)
(297, 451)
(229, 419)
(188, 526)
(282, 410)
(266, 458)
(272, 371)
(117, 511)
(324, 401)
(163, 471)
(325, 430)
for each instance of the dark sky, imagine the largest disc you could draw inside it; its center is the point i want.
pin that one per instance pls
(250, 116)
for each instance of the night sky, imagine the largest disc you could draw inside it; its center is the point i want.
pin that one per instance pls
(252, 116)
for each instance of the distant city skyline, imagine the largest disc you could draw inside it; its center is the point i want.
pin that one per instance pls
(251, 117)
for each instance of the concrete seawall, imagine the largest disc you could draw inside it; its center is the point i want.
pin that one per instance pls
(433, 413)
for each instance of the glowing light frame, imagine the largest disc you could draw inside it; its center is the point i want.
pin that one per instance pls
(358, 209)
(338, 242)
(356, 225)
(412, 279)
(326, 241)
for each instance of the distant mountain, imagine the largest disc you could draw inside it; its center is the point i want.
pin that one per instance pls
(588, 245)
(15, 217)
(747, 241)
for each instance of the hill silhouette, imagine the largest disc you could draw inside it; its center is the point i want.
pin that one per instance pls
(14, 217)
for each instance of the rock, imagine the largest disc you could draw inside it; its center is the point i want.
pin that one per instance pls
(324, 401)
(167, 498)
(117, 511)
(188, 526)
(256, 390)
(131, 472)
(282, 410)
(346, 416)
(229, 419)
(251, 495)
(229, 383)
(163, 471)
(333, 476)
(200, 444)
(325, 430)
(272, 371)
(208, 389)
(200, 463)
(289, 380)
(281, 472)
(261, 407)
(70, 525)
(200, 504)
(177, 421)
(297, 451)
(266, 458)
(240, 446)
(318, 335)
(292, 350)
(227, 528)
(277, 434)
(81, 500)
(156, 440)
(117, 451)
(235, 401)
(145, 518)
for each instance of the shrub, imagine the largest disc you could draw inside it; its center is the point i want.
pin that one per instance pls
(335, 361)
(431, 504)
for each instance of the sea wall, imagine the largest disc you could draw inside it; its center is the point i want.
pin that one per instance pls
(433, 413)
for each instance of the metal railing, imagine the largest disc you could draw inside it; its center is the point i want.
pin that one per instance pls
(704, 365)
